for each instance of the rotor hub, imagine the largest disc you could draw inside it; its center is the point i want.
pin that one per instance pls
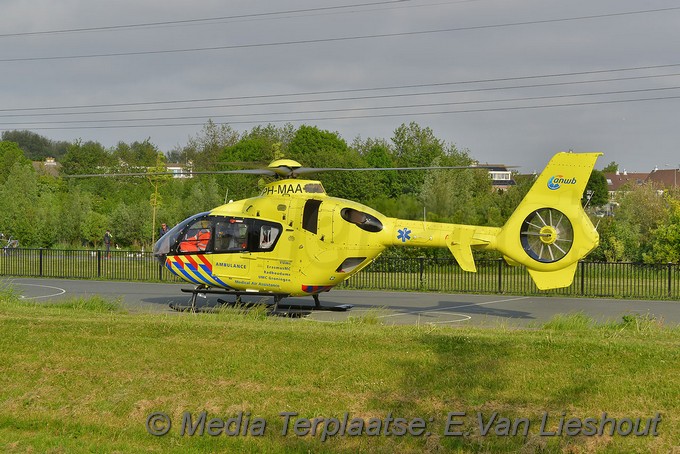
(548, 234)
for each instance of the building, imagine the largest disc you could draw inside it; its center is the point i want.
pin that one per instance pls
(663, 180)
(501, 177)
(180, 170)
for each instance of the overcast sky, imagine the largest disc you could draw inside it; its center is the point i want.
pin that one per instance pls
(510, 81)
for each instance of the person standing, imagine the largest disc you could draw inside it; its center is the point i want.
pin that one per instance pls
(163, 230)
(107, 243)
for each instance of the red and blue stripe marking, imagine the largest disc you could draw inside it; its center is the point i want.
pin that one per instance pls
(311, 289)
(194, 268)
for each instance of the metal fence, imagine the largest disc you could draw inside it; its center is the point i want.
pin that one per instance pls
(82, 264)
(621, 279)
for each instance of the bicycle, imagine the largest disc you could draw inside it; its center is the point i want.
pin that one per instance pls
(9, 244)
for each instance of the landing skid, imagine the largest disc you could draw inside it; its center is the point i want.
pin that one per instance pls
(275, 307)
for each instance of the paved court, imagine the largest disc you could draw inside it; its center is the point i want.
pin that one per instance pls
(390, 307)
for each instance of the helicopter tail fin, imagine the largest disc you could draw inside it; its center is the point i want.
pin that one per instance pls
(549, 232)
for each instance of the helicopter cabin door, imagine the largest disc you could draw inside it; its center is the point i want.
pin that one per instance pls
(317, 221)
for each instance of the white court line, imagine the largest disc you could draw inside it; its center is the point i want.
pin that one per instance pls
(60, 291)
(399, 314)
(443, 311)
(463, 317)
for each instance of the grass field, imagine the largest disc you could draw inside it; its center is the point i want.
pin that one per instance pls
(84, 376)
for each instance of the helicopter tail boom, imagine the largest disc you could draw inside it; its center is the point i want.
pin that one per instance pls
(549, 232)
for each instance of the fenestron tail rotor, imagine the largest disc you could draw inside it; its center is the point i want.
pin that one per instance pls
(547, 235)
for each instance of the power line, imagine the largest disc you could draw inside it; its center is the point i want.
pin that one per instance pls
(367, 89)
(200, 20)
(356, 117)
(337, 39)
(360, 98)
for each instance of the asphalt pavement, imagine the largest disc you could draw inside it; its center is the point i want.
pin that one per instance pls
(388, 307)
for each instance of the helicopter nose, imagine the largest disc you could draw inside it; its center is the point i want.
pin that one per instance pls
(160, 251)
(161, 258)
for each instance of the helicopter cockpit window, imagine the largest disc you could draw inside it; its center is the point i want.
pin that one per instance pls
(231, 235)
(204, 234)
(268, 236)
(362, 220)
(197, 237)
(240, 235)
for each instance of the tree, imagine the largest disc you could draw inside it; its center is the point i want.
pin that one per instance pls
(415, 147)
(10, 154)
(93, 227)
(84, 158)
(313, 147)
(377, 154)
(156, 181)
(641, 211)
(619, 241)
(597, 190)
(612, 167)
(665, 239)
(20, 214)
(204, 150)
(35, 146)
(454, 195)
(203, 195)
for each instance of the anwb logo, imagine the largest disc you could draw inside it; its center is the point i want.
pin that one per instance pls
(556, 181)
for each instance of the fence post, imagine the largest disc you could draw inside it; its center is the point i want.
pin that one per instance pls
(500, 276)
(583, 278)
(421, 264)
(99, 263)
(670, 279)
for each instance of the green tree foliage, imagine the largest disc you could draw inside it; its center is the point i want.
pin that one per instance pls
(665, 238)
(86, 158)
(257, 150)
(641, 211)
(611, 167)
(21, 216)
(313, 147)
(93, 226)
(10, 154)
(203, 195)
(131, 224)
(204, 150)
(619, 241)
(35, 146)
(74, 207)
(378, 154)
(597, 188)
(512, 197)
(415, 147)
(448, 194)
(137, 154)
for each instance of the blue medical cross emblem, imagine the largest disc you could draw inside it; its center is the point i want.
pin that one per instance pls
(404, 234)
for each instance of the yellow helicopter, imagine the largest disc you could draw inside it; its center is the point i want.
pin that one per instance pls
(295, 240)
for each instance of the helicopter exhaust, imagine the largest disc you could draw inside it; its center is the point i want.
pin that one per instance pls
(548, 233)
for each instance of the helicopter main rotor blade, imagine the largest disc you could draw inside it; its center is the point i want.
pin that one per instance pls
(284, 171)
(155, 174)
(303, 170)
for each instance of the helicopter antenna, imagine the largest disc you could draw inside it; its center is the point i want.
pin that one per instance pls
(589, 196)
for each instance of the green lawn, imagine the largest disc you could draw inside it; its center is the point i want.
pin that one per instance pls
(84, 376)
